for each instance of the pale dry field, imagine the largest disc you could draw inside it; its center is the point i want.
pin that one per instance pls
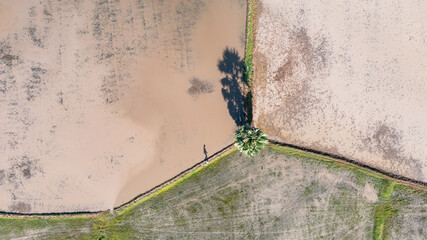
(97, 101)
(347, 78)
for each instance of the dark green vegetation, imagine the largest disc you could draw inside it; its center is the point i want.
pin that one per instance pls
(250, 140)
(385, 210)
(282, 193)
(248, 61)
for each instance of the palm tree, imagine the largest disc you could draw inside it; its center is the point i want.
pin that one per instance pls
(250, 140)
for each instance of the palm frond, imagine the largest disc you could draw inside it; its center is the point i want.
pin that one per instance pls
(250, 140)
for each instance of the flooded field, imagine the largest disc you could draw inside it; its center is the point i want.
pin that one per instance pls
(102, 100)
(345, 78)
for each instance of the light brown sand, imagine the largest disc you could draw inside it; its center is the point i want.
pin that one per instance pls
(347, 78)
(94, 97)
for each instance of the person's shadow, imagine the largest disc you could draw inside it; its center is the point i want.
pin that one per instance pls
(232, 66)
(205, 152)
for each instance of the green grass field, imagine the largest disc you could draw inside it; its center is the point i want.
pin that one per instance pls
(282, 193)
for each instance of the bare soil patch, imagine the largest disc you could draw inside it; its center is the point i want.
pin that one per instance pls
(348, 79)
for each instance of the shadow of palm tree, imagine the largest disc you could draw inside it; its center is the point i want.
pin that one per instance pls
(232, 66)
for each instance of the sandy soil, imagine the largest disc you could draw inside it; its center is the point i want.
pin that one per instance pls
(345, 78)
(98, 101)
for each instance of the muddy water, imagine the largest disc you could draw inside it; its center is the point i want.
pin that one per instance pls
(160, 100)
(98, 100)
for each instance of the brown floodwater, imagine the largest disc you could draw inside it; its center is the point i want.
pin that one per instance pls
(103, 100)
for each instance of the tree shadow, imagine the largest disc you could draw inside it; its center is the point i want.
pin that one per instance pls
(232, 90)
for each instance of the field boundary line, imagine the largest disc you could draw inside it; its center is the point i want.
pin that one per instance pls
(416, 184)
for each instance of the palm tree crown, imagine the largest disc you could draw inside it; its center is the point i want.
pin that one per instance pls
(250, 140)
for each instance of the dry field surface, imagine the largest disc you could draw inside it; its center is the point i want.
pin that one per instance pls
(102, 100)
(347, 78)
(279, 194)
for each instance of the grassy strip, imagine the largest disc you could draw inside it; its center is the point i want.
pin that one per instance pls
(387, 189)
(383, 214)
(384, 211)
(248, 61)
(109, 226)
(249, 44)
(61, 227)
